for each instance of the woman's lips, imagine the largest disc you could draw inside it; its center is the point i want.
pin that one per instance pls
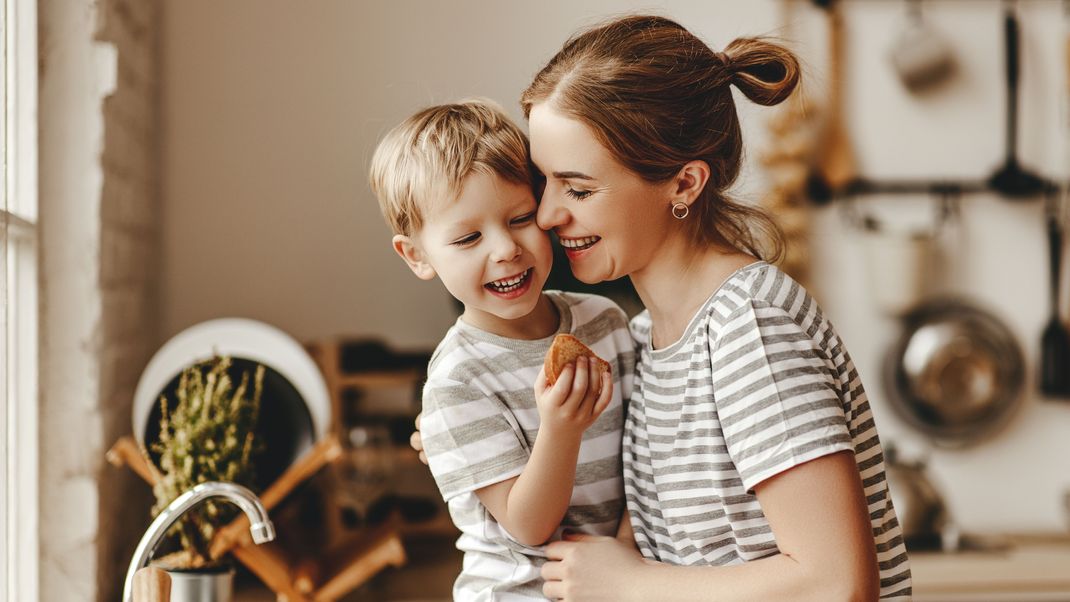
(576, 248)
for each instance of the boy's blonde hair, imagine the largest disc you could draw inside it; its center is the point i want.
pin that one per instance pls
(425, 159)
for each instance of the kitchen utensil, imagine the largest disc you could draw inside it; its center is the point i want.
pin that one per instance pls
(956, 373)
(919, 505)
(1011, 179)
(364, 471)
(921, 57)
(835, 167)
(1055, 342)
(898, 262)
(294, 406)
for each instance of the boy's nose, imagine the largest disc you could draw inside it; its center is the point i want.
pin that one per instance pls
(506, 249)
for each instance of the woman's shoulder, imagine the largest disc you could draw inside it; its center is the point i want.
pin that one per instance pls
(759, 284)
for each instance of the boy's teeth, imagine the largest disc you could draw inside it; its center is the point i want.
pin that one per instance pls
(509, 284)
(576, 243)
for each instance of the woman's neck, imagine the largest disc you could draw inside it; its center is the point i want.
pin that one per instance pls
(678, 280)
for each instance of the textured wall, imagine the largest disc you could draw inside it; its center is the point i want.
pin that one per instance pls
(99, 230)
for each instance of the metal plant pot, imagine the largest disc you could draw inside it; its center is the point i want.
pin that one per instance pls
(213, 585)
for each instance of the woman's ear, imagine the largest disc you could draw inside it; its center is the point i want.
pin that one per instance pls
(690, 181)
(414, 257)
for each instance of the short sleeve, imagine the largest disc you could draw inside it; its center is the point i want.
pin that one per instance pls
(777, 399)
(470, 437)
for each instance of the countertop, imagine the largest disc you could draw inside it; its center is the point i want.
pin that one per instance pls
(1030, 568)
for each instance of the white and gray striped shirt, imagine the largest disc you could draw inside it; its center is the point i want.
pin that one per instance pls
(758, 383)
(480, 422)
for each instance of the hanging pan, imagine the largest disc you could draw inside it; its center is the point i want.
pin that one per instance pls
(956, 373)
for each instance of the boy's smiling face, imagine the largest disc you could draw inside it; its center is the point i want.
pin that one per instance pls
(486, 248)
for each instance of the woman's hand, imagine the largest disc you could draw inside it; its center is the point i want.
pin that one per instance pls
(416, 441)
(588, 567)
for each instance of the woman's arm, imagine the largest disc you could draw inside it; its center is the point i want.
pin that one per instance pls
(818, 515)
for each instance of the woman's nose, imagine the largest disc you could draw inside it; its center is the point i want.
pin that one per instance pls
(551, 213)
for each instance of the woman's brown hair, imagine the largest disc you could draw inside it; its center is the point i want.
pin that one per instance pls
(658, 97)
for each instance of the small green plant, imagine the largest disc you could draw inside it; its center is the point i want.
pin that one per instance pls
(207, 434)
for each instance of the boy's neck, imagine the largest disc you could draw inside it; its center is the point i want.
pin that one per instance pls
(542, 322)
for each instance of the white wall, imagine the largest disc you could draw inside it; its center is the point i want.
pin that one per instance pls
(99, 246)
(272, 109)
(271, 113)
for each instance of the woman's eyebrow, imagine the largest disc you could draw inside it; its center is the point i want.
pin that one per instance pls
(571, 175)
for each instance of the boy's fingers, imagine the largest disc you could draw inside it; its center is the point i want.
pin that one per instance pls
(594, 385)
(540, 382)
(579, 382)
(605, 396)
(560, 390)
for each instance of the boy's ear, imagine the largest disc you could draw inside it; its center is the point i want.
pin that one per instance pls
(410, 252)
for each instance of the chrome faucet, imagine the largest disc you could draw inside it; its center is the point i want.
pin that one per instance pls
(259, 524)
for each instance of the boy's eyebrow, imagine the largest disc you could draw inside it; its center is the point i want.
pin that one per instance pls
(571, 175)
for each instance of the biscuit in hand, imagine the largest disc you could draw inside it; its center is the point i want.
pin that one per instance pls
(565, 349)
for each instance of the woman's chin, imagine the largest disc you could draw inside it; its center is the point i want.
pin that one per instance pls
(589, 276)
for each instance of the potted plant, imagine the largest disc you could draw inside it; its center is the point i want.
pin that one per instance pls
(206, 434)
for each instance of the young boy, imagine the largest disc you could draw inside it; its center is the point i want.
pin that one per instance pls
(516, 464)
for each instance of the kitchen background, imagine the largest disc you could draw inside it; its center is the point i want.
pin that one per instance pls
(271, 112)
(256, 122)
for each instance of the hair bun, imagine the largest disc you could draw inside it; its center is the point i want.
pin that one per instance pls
(764, 72)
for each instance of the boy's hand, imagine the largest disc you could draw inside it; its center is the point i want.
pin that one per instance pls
(576, 400)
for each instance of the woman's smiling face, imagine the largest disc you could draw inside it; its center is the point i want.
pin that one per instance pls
(609, 220)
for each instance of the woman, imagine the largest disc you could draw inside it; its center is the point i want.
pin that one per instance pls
(751, 461)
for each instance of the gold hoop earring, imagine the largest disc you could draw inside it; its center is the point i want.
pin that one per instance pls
(680, 210)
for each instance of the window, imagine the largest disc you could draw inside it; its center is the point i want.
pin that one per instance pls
(18, 302)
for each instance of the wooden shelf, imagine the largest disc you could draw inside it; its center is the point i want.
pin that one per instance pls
(371, 380)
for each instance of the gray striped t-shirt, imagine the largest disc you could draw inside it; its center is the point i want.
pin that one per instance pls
(480, 422)
(758, 383)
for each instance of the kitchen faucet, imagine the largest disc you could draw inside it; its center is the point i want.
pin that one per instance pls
(259, 524)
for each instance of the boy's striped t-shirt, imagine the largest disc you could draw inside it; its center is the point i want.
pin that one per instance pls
(480, 422)
(759, 383)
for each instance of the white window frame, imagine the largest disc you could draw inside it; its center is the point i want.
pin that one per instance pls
(19, 444)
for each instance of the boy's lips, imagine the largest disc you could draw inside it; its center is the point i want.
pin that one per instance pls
(511, 286)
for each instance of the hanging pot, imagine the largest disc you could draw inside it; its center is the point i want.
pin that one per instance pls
(921, 56)
(956, 373)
